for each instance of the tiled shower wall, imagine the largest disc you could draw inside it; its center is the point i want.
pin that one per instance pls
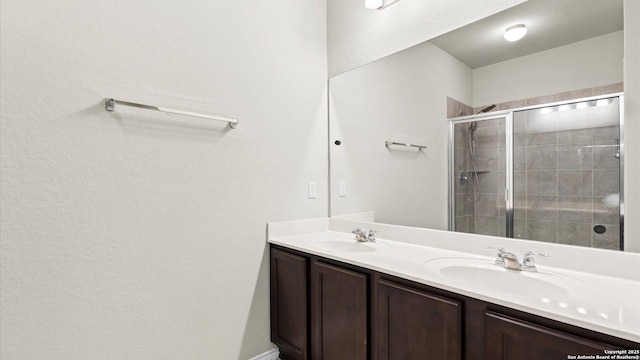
(561, 175)
(464, 192)
(480, 208)
(546, 99)
(564, 173)
(489, 205)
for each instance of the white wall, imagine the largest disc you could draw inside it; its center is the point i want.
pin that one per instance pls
(399, 98)
(138, 235)
(632, 123)
(358, 35)
(585, 64)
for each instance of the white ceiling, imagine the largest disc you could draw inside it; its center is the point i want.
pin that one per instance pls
(551, 23)
(357, 36)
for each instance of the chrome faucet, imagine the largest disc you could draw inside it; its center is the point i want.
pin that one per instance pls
(528, 261)
(506, 259)
(361, 236)
(371, 237)
(509, 260)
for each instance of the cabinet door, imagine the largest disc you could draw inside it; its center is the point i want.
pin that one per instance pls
(339, 313)
(507, 338)
(289, 304)
(412, 324)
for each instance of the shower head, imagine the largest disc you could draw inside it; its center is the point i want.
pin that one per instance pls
(473, 126)
(488, 108)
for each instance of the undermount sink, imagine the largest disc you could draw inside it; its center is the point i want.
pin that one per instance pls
(347, 245)
(484, 274)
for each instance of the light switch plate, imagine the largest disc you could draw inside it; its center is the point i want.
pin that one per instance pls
(312, 189)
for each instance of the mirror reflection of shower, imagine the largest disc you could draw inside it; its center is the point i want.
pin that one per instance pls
(473, 171)
(464, 176)
(549, 172)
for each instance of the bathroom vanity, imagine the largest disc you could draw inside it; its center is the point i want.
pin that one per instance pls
(335, 298)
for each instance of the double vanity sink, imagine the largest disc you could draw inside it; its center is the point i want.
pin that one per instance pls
(472, 272)
(581, 294)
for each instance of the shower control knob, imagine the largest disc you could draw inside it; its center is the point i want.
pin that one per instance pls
(463, 178)
(599, 229)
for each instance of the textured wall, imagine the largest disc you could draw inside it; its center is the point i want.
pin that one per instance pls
(399, 98)
(358, 35)
(139, 235)
(584, 64)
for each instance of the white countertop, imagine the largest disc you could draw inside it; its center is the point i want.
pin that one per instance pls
(606, 301)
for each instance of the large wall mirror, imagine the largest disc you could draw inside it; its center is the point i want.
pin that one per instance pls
(391, 128)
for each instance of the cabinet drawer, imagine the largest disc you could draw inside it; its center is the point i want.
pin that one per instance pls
(507, 338)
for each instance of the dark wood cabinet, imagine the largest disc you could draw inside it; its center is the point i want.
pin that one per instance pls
(507, 338)
(289, 328)
(338, 313)
(412, 324)
(323, 309)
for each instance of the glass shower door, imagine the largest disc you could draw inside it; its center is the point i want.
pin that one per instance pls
(479, 176)
(566, 174)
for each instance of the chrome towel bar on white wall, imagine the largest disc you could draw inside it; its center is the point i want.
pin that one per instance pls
(110, 105)
(420, 147)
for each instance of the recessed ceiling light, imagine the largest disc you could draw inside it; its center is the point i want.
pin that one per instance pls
(515, 32)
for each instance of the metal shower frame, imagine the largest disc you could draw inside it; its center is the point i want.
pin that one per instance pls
(507, 116)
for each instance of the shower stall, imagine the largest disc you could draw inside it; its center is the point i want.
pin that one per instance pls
(549, 172)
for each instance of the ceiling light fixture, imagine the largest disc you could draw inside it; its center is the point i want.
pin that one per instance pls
(515, 32)
(373, 4)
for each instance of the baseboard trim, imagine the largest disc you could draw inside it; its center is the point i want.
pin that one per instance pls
(273, 354)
